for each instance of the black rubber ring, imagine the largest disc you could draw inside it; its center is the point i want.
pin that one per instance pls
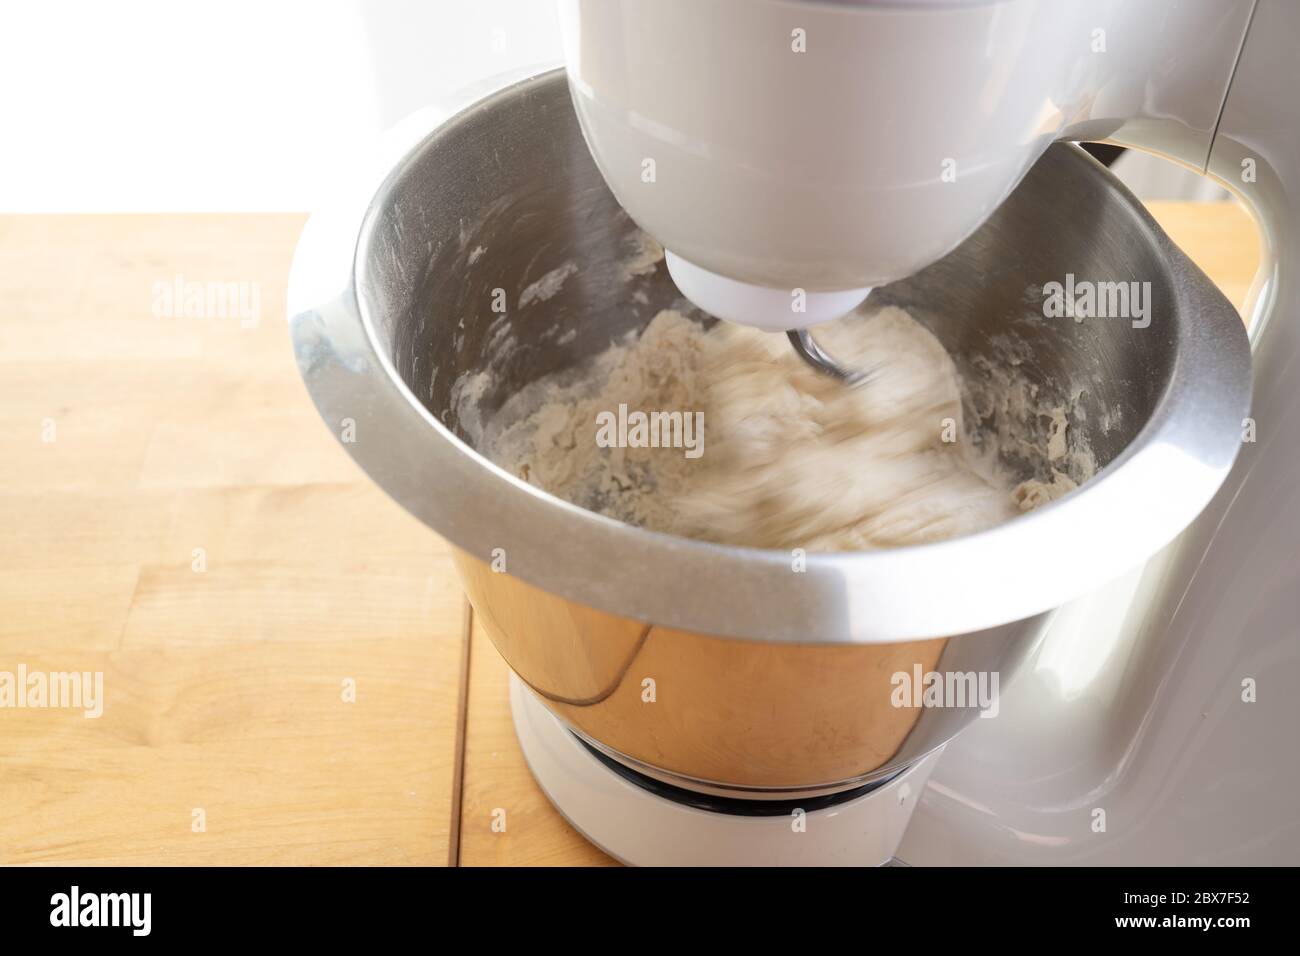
(735, 806)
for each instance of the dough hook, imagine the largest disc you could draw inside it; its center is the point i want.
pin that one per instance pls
(812, 353)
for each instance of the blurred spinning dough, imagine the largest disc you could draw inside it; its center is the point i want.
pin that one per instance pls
(791, 458)
(799, 460)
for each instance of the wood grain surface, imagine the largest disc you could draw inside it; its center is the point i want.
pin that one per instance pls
(174, 514)
(128, 440)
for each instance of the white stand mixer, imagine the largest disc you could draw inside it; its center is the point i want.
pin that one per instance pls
(776, 147)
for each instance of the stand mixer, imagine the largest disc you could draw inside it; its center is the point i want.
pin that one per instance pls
(793, 157)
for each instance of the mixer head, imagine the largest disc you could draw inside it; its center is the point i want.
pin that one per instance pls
(786, 181)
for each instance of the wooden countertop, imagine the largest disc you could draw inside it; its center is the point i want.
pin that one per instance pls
(288, 671)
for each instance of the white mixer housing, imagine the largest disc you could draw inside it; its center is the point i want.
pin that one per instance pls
(812, 151)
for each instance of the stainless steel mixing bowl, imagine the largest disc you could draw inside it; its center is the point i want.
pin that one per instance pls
(767, 681)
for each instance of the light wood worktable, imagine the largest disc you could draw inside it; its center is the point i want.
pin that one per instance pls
(174, 514)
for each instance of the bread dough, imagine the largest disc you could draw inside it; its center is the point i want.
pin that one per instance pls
(790, 458)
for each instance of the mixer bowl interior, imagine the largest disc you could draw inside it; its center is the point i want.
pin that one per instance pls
(477, 211)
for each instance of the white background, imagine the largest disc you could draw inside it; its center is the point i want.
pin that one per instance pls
(254, 105)
(122, 105)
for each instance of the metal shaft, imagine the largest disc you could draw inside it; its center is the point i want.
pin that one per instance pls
(812, 353)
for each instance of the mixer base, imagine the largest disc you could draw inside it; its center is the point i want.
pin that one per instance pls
(637, 825)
